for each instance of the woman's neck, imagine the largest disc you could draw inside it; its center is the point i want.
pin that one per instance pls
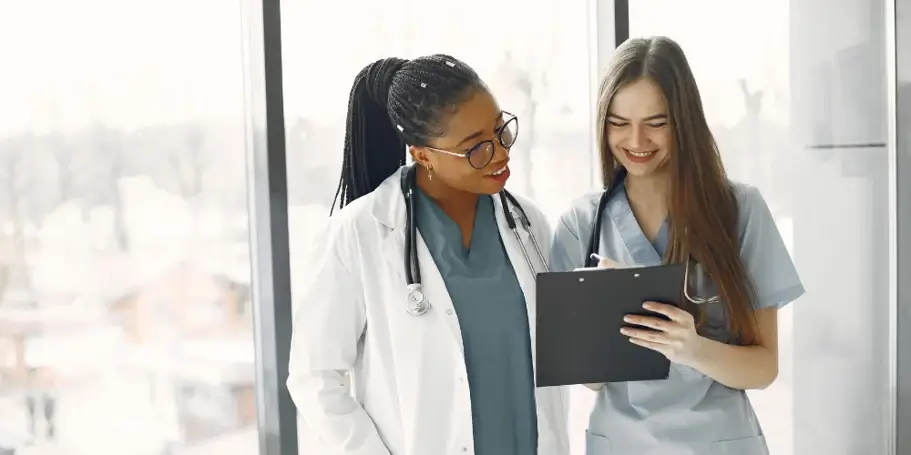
(648, 197)
(459, 205)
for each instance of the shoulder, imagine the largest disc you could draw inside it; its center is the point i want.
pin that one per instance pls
(751, 205)
(745, 194)
(581, 212)
(346, 220)
(342, 231)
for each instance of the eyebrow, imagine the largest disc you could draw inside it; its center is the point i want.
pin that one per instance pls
(649, 118)
(471, 136)
(478, 134)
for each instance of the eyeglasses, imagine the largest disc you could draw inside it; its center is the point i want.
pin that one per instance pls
(482, 153)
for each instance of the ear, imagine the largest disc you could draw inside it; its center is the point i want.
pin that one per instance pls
(419, 155)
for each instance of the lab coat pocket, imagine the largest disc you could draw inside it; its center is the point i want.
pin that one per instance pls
(746, 446)
(595, 444)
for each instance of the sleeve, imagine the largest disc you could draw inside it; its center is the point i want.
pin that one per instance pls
(566, 252)
(324, 346)
(765, 256)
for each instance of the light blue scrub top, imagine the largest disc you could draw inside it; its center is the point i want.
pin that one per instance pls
(492, 315)
(689, 413)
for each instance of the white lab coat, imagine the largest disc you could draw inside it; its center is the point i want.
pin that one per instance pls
(408, 372)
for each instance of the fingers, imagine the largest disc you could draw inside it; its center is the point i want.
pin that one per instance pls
(672, 312)
(646, 335)
(649, 321)
(662, 348)
(607, 263)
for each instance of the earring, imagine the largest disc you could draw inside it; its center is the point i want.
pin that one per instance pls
(429, 172)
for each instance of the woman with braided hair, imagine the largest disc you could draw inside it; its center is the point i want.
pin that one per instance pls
(421, 292)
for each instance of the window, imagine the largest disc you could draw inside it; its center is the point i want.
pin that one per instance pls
(534, 56)
(122, 212)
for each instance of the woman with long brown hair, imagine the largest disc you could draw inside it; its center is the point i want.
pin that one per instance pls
(668, 200)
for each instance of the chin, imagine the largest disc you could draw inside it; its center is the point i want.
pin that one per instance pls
(490, 188)
(640, 170)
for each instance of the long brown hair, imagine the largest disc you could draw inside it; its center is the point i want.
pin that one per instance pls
(703, 210)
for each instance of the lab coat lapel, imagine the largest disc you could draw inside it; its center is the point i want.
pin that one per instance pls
(390, 211)
(520, 265)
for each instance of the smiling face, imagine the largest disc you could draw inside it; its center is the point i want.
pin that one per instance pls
(639, 133)
(471, 156)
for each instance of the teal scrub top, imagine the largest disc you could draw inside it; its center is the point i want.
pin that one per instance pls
(492, 315)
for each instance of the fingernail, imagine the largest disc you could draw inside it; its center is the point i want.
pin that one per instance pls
(627, 319)
(624, 331)
(646, 305)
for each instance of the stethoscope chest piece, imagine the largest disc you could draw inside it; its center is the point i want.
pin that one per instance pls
(415, 303)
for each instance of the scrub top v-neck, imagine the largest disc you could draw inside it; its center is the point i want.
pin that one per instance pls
(493, 318)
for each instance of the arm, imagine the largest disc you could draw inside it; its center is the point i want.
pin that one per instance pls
(776, 282)
(742, 367)
(324, 347)
(566, 250)
(739, 367)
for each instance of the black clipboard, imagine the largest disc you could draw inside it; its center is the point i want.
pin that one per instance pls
(579, 316)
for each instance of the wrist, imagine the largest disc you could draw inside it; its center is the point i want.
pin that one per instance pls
(699, 353)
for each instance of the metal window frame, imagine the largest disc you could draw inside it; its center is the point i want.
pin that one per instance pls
(608, 27)
(621, 21)
(898, 58)
(267, 189)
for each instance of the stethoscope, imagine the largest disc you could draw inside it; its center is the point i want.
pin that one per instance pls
(416, 304)
(594, 243)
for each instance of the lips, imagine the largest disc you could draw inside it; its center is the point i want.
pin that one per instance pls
(639, 156)
(499, 171)
(500, 175)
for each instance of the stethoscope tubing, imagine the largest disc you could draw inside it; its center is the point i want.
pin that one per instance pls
(416, 303)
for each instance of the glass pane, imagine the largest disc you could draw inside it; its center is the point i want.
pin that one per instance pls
(125, 322)
(537, 66)
(795, 95)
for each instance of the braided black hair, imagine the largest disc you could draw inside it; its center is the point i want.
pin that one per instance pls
(395, 103)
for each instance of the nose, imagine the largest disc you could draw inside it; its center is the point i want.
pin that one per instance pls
(639, 138)
(499, 152)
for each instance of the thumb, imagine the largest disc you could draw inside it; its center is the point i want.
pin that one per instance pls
(608, 263)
